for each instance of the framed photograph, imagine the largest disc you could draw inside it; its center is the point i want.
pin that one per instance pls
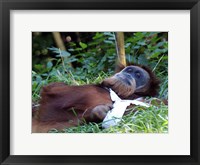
(87, 82)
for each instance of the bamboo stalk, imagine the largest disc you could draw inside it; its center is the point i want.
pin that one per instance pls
(58, 39)
(120, 48)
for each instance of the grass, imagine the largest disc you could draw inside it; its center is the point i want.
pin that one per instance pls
(140, 120)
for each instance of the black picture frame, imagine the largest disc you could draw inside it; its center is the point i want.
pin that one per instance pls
(7, 5)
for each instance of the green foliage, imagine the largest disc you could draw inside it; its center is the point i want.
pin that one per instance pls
(98, 53)
(148, 48)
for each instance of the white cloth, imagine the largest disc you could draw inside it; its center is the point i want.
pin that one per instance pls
(114, 116)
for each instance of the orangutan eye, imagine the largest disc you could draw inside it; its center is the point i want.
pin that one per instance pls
(138, 74)
(129, 70)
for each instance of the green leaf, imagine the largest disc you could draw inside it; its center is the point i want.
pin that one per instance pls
(141, 43)
(71, 50)
(155, 54)
(63, 53)
(142, 60)
(160, 44)
(127, 45)
(49, 65)
(108, 42)
(136, 47)
(97, 36)
(78, 49)
(108, 34)
(60, 53)
(83, 45)
(38, 79)
(111, 38)
(53, 49)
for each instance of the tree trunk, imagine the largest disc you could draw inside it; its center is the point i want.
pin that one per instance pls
(58, 39)
(120, 50)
